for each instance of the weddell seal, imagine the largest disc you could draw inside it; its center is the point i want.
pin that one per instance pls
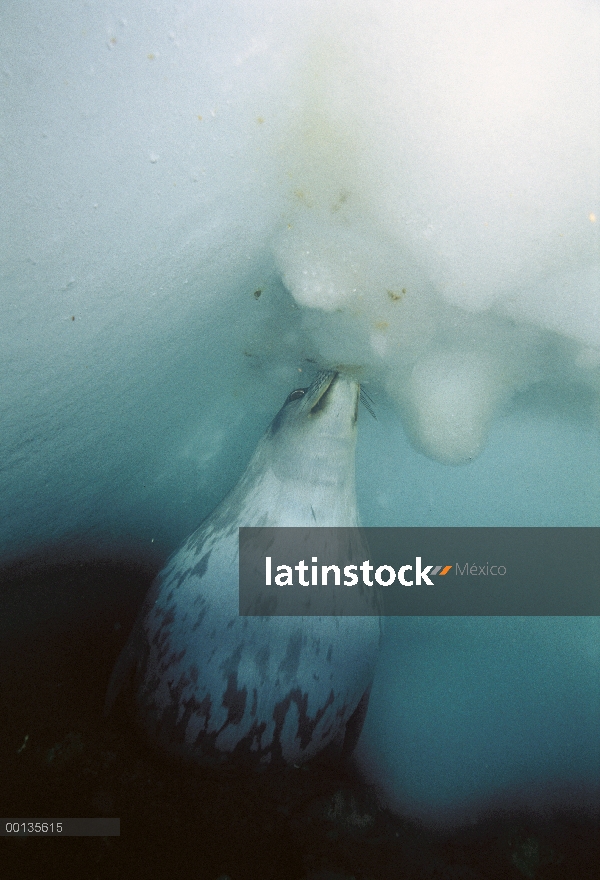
(212, 685)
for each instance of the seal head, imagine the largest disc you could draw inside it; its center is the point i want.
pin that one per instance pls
(213, 686)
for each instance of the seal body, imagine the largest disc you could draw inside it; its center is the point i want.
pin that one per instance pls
(211, 685)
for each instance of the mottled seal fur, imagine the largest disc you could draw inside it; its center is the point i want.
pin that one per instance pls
(211, 685)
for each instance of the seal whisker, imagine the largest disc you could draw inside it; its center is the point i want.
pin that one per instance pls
(367, 402)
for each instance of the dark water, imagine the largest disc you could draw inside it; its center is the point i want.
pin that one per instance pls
(61, 630)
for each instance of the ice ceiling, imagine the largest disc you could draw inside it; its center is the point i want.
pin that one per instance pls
(200, 200)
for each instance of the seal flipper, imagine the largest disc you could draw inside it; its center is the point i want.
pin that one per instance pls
(354, 725)
(126, 665)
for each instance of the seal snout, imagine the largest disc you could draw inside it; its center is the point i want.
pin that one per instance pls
(331, 390)
(324, 389)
